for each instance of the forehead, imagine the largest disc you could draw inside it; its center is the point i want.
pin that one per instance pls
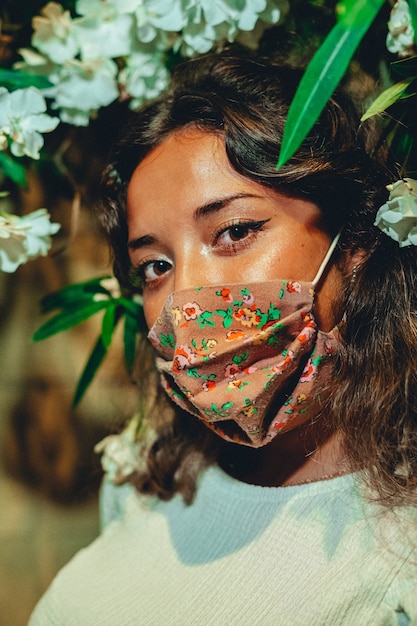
(184, 153)
(187, 170)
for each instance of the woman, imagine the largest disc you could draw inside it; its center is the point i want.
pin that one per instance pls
(282, 469)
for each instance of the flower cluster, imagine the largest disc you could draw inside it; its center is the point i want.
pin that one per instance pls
(120, 47)
(22, 120)
(24, 238)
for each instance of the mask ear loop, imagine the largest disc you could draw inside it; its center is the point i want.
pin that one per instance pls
(326, 259)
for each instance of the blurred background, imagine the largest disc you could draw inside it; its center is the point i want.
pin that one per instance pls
(49, 473)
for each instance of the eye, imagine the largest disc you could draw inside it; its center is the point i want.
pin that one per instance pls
(149, 272)
(232, 234)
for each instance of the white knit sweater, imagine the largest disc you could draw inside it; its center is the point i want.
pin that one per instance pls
(316, 554)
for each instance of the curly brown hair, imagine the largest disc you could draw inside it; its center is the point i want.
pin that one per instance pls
(245, 99)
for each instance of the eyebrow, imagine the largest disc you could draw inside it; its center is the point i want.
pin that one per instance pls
(218, 205)
(199, 214)
(141, 242)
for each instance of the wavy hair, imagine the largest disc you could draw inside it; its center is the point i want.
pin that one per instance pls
(245, 99)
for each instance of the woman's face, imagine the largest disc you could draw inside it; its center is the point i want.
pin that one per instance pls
(194, 221)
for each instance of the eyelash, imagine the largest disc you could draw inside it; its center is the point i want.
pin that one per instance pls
(137, 273)
(231, 247)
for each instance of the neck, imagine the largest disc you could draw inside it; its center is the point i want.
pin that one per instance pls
(305, 454)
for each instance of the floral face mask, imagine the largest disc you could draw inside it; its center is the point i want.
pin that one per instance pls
(246, 359)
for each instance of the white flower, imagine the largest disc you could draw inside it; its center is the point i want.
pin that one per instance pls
(104, 37)
(156, 17)
(83, 87)
(36, 64)
(144, 77)
(122, 453)
(208, 21)
(248, 17)
(106, 8)
(53, 34)
(397, 218)
(12, 247)
(197, 39)
(400, 38)
(23, 119)
(170, 16)
(24, 238)
(38, 230)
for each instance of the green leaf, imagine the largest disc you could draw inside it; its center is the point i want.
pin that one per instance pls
(13, 170)
(69, 318)
(16, 79)
(325, 71)
(387, 98)
(405, 67)
(130, 330)
(108, 324)
(73, 295)
(94, 361)
(134, 308)
(412, 4)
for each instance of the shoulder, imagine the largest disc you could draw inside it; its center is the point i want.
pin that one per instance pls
(113, 499)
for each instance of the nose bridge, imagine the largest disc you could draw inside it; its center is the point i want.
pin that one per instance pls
(190, 269)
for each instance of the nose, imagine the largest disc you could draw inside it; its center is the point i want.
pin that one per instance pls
(192, 270)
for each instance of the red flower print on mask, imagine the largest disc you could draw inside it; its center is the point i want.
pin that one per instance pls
(183, 357)
(225, 294)
(208, 385)
(309, 372)
(231, 371)
(235, 335)
(191, 311)
(282, 365)
(293, 287)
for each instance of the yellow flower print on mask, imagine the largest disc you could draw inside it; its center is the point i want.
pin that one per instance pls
(246, 316)
(176, 315)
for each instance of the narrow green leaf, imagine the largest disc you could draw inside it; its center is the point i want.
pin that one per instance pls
(16, 79)
(133, 307)
(108, 324)
(387, 98)
(135, 310)
(413, 12)
(66, 301)
(94, 361)
(325, 71)
(403, 68)
(13, 170)
(75, 294)
(130, 330)
(67, 319)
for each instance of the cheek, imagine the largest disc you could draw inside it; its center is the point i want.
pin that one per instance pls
(152, 308)
(327, 309)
